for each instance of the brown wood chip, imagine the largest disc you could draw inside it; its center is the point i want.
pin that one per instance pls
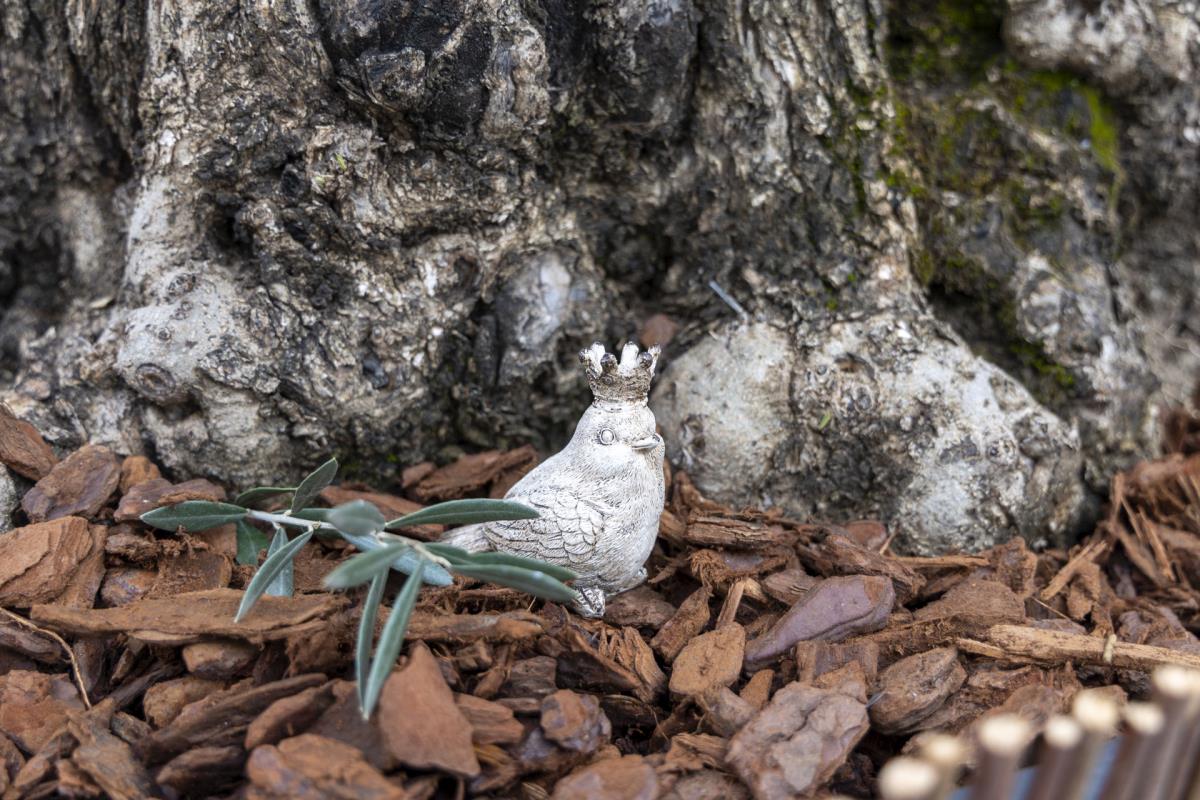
(79, 485)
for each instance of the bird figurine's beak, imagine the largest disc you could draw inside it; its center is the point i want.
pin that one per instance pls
(649, 443)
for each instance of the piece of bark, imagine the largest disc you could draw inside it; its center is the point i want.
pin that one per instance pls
(731, 532)
(188, 618)
(641, 607)
(124, 585)
(624, 778)
(147, 495)
(392, 507)
(342, 721)
(835, 609)
(38, 561)
(814, 659)
(469, 473)
(689, 620)
(757, 690)
(804, 734)
(79, 485)
(466, 628)
(833, 554)
(706, 784)
(22, 448)
(131, 729)
(82, 588)
(531, 677)
(221, 719)
(309, 767)
(29, 643)
(420, 724)
(574, 721)
(11, 762)
(710, 660)
(34, 706)
(690, 751)
(128, 543)
(135, 470)
(789, 585)
(203, 771)
(219, 659)
(631, 651)
(107, 760)
(190, 571)
(725, 711)
(582, 665)
(491, 723)
(1052, 647)
(913, 688)
(163, 701)
(288, 716)
(969, 609)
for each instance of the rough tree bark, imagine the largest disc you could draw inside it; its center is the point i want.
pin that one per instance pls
(242, 236)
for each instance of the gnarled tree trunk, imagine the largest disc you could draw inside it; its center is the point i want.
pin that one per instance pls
(960, 239)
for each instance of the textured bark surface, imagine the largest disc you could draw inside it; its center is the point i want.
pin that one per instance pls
(962, 237)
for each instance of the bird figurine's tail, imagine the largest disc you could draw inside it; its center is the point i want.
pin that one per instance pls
(469, 537)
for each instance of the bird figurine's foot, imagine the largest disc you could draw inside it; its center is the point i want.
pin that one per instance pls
(591, 601)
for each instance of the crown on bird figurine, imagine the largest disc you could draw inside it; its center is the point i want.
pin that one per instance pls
(619, 382)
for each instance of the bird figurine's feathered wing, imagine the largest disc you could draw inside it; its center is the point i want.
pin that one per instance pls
(601, 496)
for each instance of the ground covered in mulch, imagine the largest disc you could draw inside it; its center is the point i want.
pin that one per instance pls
(766, 656)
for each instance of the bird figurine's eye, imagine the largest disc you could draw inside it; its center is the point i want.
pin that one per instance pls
(607, 436)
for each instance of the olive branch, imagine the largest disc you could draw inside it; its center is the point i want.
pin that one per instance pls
(382, 550)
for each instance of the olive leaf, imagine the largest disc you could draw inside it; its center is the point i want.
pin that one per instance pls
(283, 584)
(311, 486)
(390, 640)
(270, 568)
(356, 517)
(363, 567)
(250, 542)
(463, 512)
(534, 582)
(366, 633)
(193, 515)
(250, 497)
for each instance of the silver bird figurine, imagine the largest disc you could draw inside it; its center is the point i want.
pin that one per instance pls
(601, 496)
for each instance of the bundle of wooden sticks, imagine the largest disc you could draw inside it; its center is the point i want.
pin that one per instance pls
(1141, 751)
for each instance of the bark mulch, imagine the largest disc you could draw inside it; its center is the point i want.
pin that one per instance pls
(766, 656)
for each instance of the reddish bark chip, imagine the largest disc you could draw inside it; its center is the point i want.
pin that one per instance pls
(311, 767)
(219, 659)
(79, 484)
(911, 689)
(163, 701)
(135, 470)
(491, 723)
(419, 722)
(38, 561)
(574, 721)
(711, 660)
(22, 448)
(791, 747)
(624, 778)
(33, 706)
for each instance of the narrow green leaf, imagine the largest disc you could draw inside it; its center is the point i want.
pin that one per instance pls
(366, 633)
(283, 584)
(449, 552)
(456, 555)
(533, 582)
(193, 515)
(435, 575)
(463, 512)
(390, 640)
(509, 560)
(250, 497)
(250, 542)
(364, 566)
(357, 517)
(267, 572)
(311, 486)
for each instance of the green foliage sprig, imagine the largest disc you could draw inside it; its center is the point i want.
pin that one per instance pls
(382, 550)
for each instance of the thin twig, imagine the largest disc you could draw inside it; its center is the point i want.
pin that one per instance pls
(75, 672)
